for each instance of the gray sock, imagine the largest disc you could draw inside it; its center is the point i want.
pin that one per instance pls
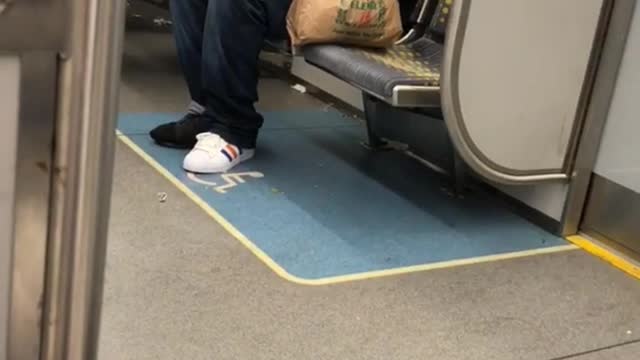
(195, 108)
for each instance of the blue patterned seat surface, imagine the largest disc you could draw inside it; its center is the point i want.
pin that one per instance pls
(380, 71)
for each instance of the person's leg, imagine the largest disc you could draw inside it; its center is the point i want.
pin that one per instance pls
(188, 25)
(235, 31)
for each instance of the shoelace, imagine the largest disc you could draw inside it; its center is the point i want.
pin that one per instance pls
(209, 142)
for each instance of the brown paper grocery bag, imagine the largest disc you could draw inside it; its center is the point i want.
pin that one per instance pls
(368, 23)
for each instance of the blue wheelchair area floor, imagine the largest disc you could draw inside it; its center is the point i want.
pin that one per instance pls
(321, 206)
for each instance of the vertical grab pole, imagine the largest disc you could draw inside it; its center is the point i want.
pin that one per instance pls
(81, 190)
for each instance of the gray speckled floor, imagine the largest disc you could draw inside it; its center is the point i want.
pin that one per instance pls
(179, 287)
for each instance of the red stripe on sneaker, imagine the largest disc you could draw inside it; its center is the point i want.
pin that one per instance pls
(232, 151)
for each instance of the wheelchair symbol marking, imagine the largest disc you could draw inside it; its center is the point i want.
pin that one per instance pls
(231, 180)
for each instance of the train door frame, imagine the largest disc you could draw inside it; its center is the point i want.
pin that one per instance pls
(69, 54)
(596, 114)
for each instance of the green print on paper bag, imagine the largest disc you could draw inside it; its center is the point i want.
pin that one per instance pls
(361, 18)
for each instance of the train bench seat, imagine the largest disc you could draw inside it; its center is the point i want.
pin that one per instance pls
(405, 75)
(517, 128)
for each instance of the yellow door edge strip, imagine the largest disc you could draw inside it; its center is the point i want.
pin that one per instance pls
(606, 254)
(280, 271)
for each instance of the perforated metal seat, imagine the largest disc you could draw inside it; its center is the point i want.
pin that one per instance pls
(406, 75)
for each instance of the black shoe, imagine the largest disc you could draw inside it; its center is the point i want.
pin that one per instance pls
(181, 134)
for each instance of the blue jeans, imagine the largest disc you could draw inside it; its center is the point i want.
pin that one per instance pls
(218, 43)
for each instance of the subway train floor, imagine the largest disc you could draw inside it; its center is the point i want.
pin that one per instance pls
(310, 251)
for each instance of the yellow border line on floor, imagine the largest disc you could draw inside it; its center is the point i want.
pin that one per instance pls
(279, 270)
(605, 254)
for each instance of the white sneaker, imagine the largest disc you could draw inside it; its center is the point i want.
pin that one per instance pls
(212, 154)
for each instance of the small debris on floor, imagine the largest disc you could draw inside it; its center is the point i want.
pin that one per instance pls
(162, 22)
(629, 332)
(276, 191)
(162, 197)
(299, 88)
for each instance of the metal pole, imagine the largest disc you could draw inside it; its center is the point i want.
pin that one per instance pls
(31, 33)
(88, 85)
(31, 204)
